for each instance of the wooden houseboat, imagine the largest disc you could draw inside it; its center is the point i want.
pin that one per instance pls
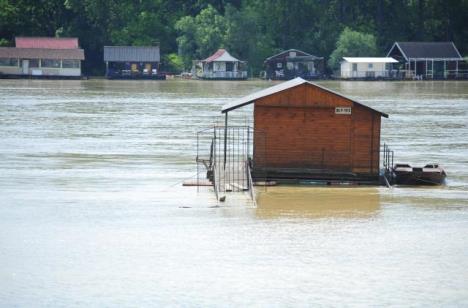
(132, 62)
(220, 66)
(427, 60)
(367, 68)
(42, 57)
(293, 63)
(304, 131)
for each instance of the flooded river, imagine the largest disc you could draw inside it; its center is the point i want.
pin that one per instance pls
(93, 212)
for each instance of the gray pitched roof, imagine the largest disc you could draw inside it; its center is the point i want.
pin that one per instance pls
(427, 50)
(251, 98)
(132, 53)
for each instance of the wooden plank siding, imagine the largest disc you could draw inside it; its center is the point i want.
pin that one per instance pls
(300, 129)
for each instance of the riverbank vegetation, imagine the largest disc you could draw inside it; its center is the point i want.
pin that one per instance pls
(250, 29)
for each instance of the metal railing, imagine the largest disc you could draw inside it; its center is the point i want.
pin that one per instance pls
(387, 158)
(228, 166)
(223, 74)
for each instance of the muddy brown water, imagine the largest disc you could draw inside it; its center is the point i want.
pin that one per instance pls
(93, 212)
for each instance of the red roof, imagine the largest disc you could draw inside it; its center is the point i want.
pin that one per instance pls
(47, 42)
(215, 56)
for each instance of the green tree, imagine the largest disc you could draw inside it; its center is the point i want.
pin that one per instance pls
(353, 44)
(201, 35)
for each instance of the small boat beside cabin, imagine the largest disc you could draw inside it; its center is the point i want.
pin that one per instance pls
(430, 174)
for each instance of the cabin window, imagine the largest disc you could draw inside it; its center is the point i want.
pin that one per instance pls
(279, 65)
(292, 54)
(290, 65)
(70, 63)
(354, 67)
(50, 63)
(370, 65)
(8, 62)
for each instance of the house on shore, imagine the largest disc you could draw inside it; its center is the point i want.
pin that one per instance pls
(427, 60)
(132, 62)
(304, 131)
(220, 66)
(367, 68)
(46, 57)
(293, 63)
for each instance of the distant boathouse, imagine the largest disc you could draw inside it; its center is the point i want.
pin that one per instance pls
(428, 60)
(42, 57)
(132, 62)
(293, 63)
(220, 66)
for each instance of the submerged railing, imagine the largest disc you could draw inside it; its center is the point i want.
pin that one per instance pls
(228, 165)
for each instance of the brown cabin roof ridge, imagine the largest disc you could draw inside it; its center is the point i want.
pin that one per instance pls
(251, 98)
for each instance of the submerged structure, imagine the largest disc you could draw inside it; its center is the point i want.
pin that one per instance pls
(46, 57)
(301, 132)
(220, 66)
(132, 62)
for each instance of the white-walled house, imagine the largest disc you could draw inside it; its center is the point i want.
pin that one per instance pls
(221, 65)
(366, 67)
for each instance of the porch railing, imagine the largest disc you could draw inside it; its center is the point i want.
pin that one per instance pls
(223, 74)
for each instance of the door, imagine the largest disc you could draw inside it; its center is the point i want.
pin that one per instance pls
(354, 74)
(25, 67)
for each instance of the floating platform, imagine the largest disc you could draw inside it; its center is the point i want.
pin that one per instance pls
(305, 176)
(200, 182)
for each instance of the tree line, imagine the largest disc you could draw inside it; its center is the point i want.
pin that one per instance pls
(251, 30)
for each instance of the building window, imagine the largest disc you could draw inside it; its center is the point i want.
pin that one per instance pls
(370, 66)
(34, 63)
(279, 65)
(292, 54)
(71, 63)
(290, 65)
(50, 63)
(8, 62)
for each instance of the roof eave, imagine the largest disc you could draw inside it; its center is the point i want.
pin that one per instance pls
(230, 108)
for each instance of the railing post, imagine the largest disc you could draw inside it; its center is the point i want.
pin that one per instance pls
(225, 138)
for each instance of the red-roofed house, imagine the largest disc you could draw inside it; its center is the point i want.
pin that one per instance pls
(220, 66)
(42, 56)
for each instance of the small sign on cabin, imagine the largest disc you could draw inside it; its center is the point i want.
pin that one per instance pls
(342, 110)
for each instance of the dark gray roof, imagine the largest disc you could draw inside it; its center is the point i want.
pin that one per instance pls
(428, 50)
(306, 56)
(132, 53)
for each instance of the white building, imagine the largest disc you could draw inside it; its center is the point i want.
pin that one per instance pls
(42, 56)
(366, 67)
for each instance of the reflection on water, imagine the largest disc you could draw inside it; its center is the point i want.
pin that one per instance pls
(317, 202)
(93, 213)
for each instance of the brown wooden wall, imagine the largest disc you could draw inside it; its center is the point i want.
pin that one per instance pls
(298, 128)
